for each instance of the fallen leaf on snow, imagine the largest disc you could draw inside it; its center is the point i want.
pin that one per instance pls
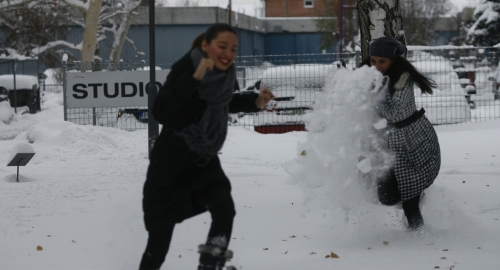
(333, 255)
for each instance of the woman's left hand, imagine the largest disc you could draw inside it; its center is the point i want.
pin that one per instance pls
(264, 97)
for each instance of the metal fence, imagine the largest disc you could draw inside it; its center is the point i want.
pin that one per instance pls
(467, 88)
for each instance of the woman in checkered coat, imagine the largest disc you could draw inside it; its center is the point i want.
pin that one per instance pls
(409, 136)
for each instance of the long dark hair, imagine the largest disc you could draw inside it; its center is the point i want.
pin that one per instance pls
(400, 63)
(211, 33)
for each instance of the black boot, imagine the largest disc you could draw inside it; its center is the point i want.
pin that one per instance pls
(213, 257)
(412, 213)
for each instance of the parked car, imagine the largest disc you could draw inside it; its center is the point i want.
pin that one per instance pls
(445, 108)
(295, 88)
(26, 92)
(451, 102)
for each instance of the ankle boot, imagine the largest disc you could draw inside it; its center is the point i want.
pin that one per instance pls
(213, 257)
(412, 213)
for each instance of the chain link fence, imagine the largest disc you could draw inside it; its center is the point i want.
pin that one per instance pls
(467, 91)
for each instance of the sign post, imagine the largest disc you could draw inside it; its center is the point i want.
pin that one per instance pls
(20, 159)
(152, 89)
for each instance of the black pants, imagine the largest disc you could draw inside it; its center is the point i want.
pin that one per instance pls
(388, 190)
(389, 194)
(221, 207)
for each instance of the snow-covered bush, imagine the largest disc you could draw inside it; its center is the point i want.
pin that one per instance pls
(7, 114)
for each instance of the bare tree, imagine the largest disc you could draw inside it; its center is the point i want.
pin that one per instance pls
(120, 16)
(421, 19)
(38, 28)
(6, 4)
(463, 20)
(328, 24)
(177, 3)
(91, 10)
(34, 29)
(378, 18)
(101, 17)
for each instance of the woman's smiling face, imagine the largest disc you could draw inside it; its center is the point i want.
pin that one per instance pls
(380, 63)
(222, 49)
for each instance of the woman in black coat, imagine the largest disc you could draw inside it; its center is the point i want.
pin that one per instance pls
(409, 136)
(185, 177)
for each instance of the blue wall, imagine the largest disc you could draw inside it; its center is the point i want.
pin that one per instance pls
(173, 41)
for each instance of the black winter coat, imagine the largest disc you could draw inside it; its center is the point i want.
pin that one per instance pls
(173, 180)
(178, 105)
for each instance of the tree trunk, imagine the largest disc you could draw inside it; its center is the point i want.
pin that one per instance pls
(90, 33)
(378, 18)
(122, 31)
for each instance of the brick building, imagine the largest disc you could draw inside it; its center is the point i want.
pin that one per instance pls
(294, 8)
(305, 8)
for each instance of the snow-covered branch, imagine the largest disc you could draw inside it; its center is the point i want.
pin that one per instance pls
(53, 44)
(83, 6)
(13, 3)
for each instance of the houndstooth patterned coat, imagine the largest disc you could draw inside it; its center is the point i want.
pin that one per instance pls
(416, 147)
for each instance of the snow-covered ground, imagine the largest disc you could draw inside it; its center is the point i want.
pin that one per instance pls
(79, 199)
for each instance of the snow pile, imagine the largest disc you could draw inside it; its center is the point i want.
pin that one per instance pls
(327, 163)
(21, 147)
(6, 112)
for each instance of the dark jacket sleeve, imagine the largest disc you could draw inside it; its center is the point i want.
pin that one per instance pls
(176, 91)
(243, 102)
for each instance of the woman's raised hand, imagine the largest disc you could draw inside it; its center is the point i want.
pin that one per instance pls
(204, 66)
(264, 97)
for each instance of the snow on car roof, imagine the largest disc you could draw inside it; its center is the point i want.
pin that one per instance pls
(300, 75)
(22, 81)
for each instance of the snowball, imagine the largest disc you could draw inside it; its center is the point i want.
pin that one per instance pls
(382, 123)
(365, 165)
(20, 148)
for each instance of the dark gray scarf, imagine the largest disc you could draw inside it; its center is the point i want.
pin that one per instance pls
(207, 136)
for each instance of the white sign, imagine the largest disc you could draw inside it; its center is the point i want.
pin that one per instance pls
(110, 89)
